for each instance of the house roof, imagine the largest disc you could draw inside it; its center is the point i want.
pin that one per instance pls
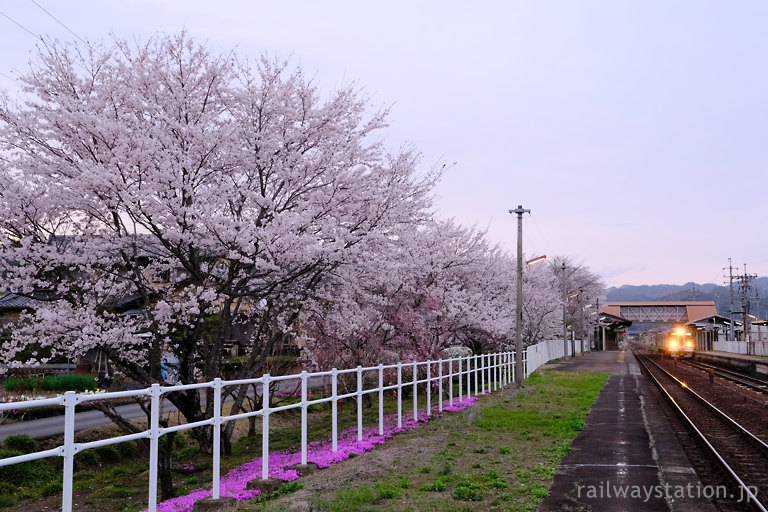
(13, 301)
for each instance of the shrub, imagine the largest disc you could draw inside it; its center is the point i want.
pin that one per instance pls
(51, 488)
(86, 459)
(439, 485)
(465, 493)
(7, 500)
(32, 473)
(126, 449)
(185, 453)
(20, 443)
(108, 453)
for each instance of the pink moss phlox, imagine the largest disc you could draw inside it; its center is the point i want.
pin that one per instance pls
(320, 452)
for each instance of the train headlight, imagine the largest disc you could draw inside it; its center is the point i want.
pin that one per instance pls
(672, 344)
(689, 344)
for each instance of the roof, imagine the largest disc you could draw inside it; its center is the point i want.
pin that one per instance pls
(13, 301)
(613, 321)
(714, 319)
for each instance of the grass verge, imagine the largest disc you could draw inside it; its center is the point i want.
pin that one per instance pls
(500, 455)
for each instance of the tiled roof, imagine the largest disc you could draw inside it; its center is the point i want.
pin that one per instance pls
(14, 301)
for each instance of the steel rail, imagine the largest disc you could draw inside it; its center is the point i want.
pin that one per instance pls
(746, 491)
(739, 378)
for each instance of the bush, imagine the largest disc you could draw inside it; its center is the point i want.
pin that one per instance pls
(32, 473)
(51, 488)
(108, 453)
(439, 485)
(20, 443)
(86, 459)
(127, 449)
(466, 493)
(186, 453)
(7, 501)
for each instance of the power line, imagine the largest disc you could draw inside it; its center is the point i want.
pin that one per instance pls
(60, 23)
(21, 26)
(9, 78)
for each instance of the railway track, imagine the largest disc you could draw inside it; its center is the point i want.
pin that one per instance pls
(748, 381)
(737, 452)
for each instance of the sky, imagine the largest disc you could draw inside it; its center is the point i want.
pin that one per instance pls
(636, 132)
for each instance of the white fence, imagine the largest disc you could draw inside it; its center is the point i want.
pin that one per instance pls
(542, 353)
(756, 348)
(472, 375)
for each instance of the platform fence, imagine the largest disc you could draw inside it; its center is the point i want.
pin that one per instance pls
(755, 348)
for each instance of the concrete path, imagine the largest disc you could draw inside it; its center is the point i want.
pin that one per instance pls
(627, 458)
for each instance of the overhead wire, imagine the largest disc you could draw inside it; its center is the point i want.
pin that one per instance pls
(10, 78)
(21, 26)
(60, 23)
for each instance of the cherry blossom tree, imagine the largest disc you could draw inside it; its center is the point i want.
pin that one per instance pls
(208, 193)
(434, 288)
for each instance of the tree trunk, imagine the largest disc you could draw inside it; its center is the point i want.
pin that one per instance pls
(164, 466)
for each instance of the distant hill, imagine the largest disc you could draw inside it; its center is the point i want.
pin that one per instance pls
(693, 291)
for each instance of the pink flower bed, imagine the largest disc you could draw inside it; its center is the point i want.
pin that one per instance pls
(234, 483)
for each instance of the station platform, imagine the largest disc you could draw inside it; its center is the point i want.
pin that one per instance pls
(627, 458)
(754, 365)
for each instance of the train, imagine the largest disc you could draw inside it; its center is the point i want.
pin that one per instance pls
(675, 343)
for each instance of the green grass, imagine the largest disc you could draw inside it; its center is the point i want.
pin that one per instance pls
(50, 383)
(504, 459)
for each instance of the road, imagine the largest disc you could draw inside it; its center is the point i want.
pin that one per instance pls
(46, 427)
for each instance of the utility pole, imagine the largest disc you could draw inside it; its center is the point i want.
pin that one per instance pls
(565, 313)
(744, 285)
(519, 301)
(730, 275)
(581, 320)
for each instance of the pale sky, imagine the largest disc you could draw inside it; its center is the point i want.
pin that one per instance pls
(635, 131)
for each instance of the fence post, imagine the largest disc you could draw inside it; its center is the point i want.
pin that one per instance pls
(304, 417)
(502, 369)
(216, 436)
(334, 410)
(381, 399)
(359, 403)
(68, 450)
(415, 390)
(491, 373)
(482, 373)
(440, 385)
(496, 372)
(477, 389)
(461, 382)
(429, 387)
(399, 395)
(265, 426)
(525, 362)
(450, 381)
(154, 443)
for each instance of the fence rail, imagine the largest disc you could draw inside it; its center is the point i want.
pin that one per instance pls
(475, 374)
